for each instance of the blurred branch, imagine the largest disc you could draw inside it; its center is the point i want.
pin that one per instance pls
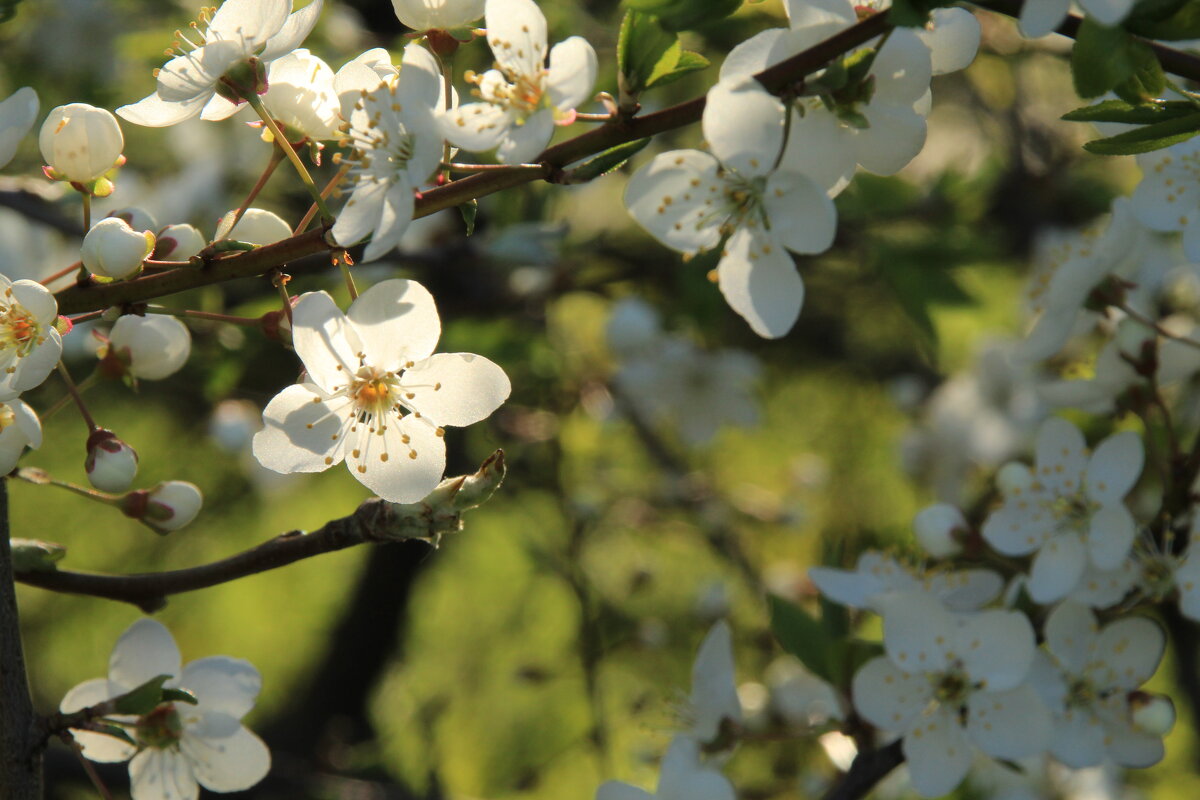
(37, 208)
(374, 521)
(20, 759)
(868, 769)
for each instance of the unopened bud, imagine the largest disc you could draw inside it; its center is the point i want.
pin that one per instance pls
(111, 464)
(115, 250)
(150, 347)
(80, 143)
(165, 508)
(938, 529)
(139, 219)
(1152, 713)
(259, 226)
(277, 325)
(178, 243)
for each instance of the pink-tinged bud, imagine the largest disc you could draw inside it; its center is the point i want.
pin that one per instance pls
(1152, 713)
(939, 529)
(277, 325)
(80, 142)
(165, 508)
(113, 249)
(178, 243)
(150, 348)
(111, 464)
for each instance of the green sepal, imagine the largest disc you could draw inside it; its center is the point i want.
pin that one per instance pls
(179, 696)
(1131, 113)
(35, 555)
(803, 636)
(115, 731)
(1148, 137)
(469, 210)
(143, 699)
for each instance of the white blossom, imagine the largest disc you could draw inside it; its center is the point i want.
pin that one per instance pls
(684, 776)
(80, 142)
(302, 98)
(1086, 676)
(397, 144)
(18, 112)
(1041, 17)
(376, 396)
(238, 31)
(950, 684)
(29, 344)
(714, 707)
(692, 201)
(178, 745)
(112, 249)
(522, 99)
(1168, 196)
(1073, 512)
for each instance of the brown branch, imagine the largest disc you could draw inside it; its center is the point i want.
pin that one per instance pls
(868, 769)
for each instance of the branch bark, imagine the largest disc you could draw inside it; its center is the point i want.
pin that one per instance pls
(868, 769)
(20, 761)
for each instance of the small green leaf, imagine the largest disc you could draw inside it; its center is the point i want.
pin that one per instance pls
(179, 696)
(1131, 113)
(605, 162)
(688, 63)
(1102, 58)
(682, 15)
(645, 52)
(143, 699)
(1147, 138)
(1148, 80)
(469, 211)
(802, 636)
(1169, 20)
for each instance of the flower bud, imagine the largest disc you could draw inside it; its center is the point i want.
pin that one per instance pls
(258, 226)
(115, 250)
(165, 508)
(1014, 476)
(150, 347)
(935, 528)
(1152, 713)
(178, 243)
(138, 218)
(80, 142)
(111, 464)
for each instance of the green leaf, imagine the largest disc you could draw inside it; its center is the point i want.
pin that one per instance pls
(143, 699)
(1148, 80)
(1102, 58)
(1134, 114)
(34, 555)
(605, 162)
(469, 211)
(688, 62)
(645, 52)
(179, 696)
(1147, 138)
(1169, 20)
(802, 636)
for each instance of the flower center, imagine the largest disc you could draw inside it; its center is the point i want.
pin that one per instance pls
(161, 728)
(951, 687)
(374, 391)
(19, 330)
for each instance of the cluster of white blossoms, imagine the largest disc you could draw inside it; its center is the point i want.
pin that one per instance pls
(671, 382)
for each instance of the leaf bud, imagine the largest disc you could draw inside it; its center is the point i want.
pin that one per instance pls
(111, 464)
(113, 249)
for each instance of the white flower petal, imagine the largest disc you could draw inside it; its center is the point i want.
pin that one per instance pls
(1130, 747)
(1078, 738)
(1128, 651)
(666, 196)
(154, 112)
(896, 136)
(516, 32)
(396, 212)
(96, 746)
(415, 459)
(755, 54)
(819, 148)
(477, 127)
(1061, 455)
(847, 587)
(953, 40)
(714, 695)
(522, 143)
(1115, 467)
(803, 218)
(902, 69)
(1012, 724)
(889, 698)
(456, 389)
(743, 124)
(1057, 568)
(195, 74)
(1107, 12)
(229, 763)
(295, 29)
(37, 300)
(572, 74)
(302, 431)
(917, 632)
(420, 81)
(17, 114)
(995, 647)
(760, 282)
(158, 774)
(1040, 17)
(397, 322)
(325, 340)
(1071, 631)
(145, 650)
(220, 683)
(1110, 537)
(362, 211)
(938, 753)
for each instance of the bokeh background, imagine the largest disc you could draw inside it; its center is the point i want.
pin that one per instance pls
(548, 646)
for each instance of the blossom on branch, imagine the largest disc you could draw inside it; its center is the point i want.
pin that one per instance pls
(29, 344)
(375, 395)
(522, 99)
(211, 74)
(178, 745)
